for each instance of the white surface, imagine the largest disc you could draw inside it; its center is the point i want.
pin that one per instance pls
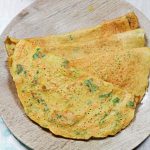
(10, 8)
(7, 140)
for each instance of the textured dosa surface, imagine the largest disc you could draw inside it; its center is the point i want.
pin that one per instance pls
(129, 69)
(41, 19)
(74, 48)
(108, 28)
(70, 97)
(66, 100)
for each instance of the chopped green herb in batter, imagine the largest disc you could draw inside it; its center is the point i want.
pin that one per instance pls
(89, 83)
(23, 91)
(37, 49)
(115, 100)
(41, 100)
(65, 63)
(103, 118)
(25, 73)
(58, 116)
(19, 69)
(70, 37)
(105, 95)
(36, 55)
(130, 104)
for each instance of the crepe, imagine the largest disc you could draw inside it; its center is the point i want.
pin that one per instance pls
(67, 100)
(118, 25)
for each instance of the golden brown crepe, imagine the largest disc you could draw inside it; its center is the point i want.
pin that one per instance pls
(106, 29)
(85, 83)
(66, 100)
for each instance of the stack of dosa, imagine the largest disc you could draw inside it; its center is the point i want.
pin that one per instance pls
(85, 83)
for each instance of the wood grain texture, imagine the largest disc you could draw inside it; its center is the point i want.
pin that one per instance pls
(54, 17)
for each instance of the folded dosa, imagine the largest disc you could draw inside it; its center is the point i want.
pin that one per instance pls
(67, 100)
(85, 83)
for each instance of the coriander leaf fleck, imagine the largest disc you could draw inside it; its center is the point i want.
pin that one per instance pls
(35, 56)
(105, 95)
(70, 37)
(19, 68)
(65, 63)
(130, 104)
(115, 100)
(89, 83)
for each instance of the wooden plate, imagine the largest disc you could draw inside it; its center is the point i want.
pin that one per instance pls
(53, 17)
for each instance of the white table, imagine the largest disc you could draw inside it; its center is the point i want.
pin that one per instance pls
(10, 8)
